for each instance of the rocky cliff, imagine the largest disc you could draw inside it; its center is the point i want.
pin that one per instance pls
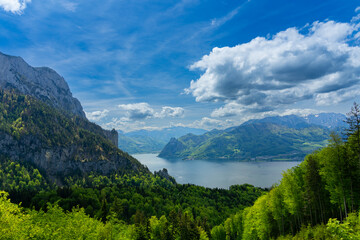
(40, 82)
(58, 162)
(44, 84)
(59, 145)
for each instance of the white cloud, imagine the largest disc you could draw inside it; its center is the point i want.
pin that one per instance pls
(265, 74)
(124, 124)
(331, 98)
(170, 112)
(138, 111)
(97, 115)
(14, 6)
(226, 18)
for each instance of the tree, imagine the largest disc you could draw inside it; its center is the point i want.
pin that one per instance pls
(353, 130)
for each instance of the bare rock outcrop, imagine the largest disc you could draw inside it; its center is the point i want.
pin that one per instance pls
(42, 83)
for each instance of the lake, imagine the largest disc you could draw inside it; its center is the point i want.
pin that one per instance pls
(218, 173)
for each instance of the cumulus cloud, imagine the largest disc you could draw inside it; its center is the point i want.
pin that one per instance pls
(97, 115)
(267, 73)
(138, 111)
(124, 124)
(170, 112)
(14, 6)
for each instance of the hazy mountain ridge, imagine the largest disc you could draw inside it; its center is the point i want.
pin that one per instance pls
(328, 120)
(152, 141)
(274, 138)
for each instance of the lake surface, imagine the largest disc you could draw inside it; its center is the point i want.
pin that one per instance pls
(218, 173)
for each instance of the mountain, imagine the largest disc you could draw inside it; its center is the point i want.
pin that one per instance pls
(150, 141)
(40, 82)
(140, 144)
(272, 138)
(33, 132)
(328, 120)
(43, 125)
(44, 84)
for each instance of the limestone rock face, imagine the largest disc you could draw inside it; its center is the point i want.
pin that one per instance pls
(113, 136)
(61, 161)
(44, 84)
(40, 82)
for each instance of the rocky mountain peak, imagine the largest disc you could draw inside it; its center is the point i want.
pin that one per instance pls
(42, 83)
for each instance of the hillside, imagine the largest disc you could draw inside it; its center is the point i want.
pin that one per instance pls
(318, 199)
(273, 138)
(59, 145)
(46, 85)
(152, 141)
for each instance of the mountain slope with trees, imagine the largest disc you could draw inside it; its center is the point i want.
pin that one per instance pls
(56, 143)
(319, 199)
(258, 140)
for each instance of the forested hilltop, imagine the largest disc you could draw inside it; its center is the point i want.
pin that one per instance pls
(270, 139)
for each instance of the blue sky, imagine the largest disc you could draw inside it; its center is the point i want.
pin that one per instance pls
(208, 64)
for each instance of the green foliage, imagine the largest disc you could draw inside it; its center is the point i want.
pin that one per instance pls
(152, 207)
(18, 223)
(122, 196)
(325, 186)
(349, 229)
(21, 180)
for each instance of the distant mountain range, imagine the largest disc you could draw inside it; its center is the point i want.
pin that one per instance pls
(327, 120)
(273, 138)
(152, 141)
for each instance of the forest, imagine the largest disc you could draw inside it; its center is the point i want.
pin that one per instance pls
(318, 199)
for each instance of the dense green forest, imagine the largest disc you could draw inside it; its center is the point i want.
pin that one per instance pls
(135, 203)
(319, 199)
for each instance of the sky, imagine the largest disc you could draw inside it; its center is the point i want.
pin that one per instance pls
(144, 64)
